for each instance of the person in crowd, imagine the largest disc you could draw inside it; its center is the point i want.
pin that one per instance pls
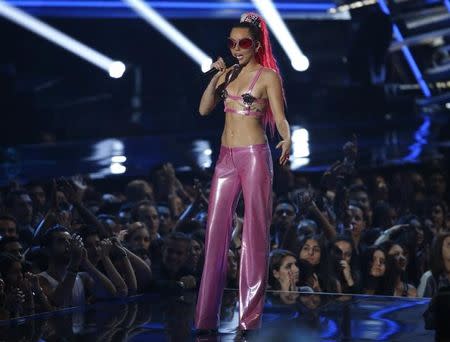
(167, 223)
(138, 240)
(23, 294)
(173, 272)
(139, 190)
(359, 196)
(198, 252)
(312, 249)
(20, 206)
(8, 226)
(284, 272)
(101, 254)
(358, 225)
(284, 216)
(341, 250)
(146, 213)
(63, 282)
(12, 245)
(436, 217)
(397, 276)
(374, 280)
(439, 277)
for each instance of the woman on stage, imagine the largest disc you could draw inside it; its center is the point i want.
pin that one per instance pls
(253, 96)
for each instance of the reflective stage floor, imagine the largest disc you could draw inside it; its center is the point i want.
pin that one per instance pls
(287, 317)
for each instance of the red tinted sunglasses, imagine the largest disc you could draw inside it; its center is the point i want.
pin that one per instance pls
(244, 43)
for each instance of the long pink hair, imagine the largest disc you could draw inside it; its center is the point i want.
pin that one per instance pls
(265, 57)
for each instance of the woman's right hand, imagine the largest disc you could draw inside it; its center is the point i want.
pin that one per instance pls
(219, 65)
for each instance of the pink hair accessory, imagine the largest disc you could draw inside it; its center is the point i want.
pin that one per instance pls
(251, 18)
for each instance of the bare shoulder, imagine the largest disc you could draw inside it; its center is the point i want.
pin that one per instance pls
(270, 75)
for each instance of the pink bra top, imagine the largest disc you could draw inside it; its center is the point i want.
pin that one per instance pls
(250, 105)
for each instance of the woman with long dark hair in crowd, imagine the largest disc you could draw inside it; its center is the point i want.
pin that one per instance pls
(312, 249)
(254, 98)
(341, 251)
(396, 273)
(440, 266)
(286, 272)
(374, 271)
(286, 276)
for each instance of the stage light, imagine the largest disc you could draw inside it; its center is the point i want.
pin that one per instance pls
(108, 155)
(300, 147)
(171, 33)
(301, 64)
(206, 65)
(114, 68)
(280, 31)
(117, 168)
(202, 152)
(300, 142)
(118, 159)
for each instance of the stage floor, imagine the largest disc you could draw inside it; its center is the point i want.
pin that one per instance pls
(287, 317)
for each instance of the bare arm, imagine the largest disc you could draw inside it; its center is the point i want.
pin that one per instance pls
(328, 229)
(73, 195)
(64, 288)
(111, 271)
(210, 96)
(275, 95)
(125, 268)
(99, 278)
(386, 235)
(62, 291)
(142, 271)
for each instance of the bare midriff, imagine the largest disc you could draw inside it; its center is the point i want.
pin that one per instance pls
(241, 130)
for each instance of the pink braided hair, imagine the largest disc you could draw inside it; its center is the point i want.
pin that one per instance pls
(265, 57)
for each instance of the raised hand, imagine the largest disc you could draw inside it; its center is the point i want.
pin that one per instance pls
(347, 272)
(76, 251)
(285, 283)
(105, 247)
(117, 247)
(72, 193)
(292, 282)
(219, 65)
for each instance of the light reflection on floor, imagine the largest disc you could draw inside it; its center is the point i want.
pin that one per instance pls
(308, 317)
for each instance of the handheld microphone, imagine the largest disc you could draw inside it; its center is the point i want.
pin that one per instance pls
(229, 60)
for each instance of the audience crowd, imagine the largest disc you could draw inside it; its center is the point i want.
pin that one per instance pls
(70, 242)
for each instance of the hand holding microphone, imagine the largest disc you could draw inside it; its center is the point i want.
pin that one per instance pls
(219, 67)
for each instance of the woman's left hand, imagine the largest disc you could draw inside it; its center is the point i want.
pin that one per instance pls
(285, 150)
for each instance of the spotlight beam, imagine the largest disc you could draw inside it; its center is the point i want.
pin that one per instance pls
(276, 24)
(170, 32)
(114, 68)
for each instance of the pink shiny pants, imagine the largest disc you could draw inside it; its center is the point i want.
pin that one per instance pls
(248, 169)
